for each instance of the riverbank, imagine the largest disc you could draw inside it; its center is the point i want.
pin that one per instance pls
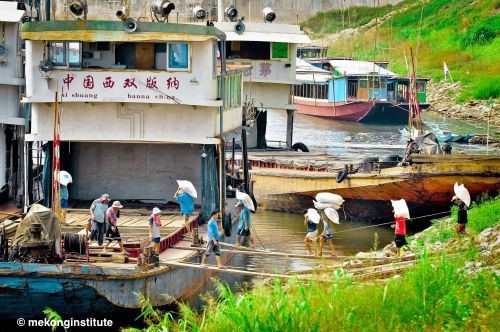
(442, 97)
(452, 285)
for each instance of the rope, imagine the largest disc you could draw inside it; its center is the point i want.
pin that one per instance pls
(75, 243)
(258, 238)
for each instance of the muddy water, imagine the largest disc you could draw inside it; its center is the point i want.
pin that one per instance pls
(347, 139)
(284, 232)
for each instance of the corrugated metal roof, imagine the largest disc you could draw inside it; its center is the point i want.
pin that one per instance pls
(359, 68)
(9, 12)
(305, 72)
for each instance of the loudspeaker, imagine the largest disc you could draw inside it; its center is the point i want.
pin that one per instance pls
(130, 25)
(239, 28)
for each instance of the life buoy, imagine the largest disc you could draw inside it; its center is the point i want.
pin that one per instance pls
(300, 146)
(341, 176)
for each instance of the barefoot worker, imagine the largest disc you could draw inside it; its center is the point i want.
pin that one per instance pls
(401, 213)
(327, 235)
(461, 216)
(187, 206)
(311, 221)
(462, 199)
(399, 233)
(113, 234)
(244, 224)
(154, 229)
(213, 239)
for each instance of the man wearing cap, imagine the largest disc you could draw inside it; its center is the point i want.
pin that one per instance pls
(213, 239)
(97, 212)
(461, 217)
(244, 224)
(112, 220)
(154, 229)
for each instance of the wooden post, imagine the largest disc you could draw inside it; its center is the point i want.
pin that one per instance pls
(289, 128)
(244, 152)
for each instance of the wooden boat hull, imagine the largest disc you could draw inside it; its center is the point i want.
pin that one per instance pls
(425, 187)
(355, 111)
(86, 290)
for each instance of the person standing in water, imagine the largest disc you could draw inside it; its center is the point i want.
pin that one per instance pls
(326, 236)
(187, 206)
(312, 234)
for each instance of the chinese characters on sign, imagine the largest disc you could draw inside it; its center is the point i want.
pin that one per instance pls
(265, 69)
(109, 83)
(112, 87)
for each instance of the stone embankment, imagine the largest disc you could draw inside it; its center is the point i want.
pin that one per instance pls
(442, 96)
(487, 243)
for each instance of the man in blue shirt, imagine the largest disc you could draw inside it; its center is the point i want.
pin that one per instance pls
(244, 224)
(213, 239)
(97, 211)
(187, 206)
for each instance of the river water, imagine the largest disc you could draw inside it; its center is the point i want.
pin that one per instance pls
(284, 232)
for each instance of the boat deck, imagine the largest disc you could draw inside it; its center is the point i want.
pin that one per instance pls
(133, 226)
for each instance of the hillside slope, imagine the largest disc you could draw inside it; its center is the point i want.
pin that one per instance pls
(462, 33)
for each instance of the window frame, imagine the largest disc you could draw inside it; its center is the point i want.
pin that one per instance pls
(66, 54)
(188, 69)
(271, 51)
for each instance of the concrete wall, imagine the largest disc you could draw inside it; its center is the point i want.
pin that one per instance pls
(288, 11)
(133, 171)
(11, 76)
(129, 122)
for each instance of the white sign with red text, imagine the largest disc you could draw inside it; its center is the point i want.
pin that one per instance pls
(143, 87)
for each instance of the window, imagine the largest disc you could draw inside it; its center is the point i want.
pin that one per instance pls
(420, 87)
(66, 54)
(178, 56)
(279, 51)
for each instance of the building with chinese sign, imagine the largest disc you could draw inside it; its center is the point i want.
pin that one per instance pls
(137, 110)
(270, 49)
(12, 118)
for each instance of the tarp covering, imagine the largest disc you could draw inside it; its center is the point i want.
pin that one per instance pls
(424, 144)
(50, 225)
(209, 183)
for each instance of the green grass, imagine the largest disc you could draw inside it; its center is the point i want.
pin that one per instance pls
(462, 33)
(434, 295)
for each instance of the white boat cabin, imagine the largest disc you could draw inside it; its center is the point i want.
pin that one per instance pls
(138, 109)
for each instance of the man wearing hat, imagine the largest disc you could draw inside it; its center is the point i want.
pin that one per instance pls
(112, 220)
(244, 224)
(97, 212)
(213, 237)
(154, 229)
(461, 217)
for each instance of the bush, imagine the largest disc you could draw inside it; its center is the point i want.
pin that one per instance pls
(480, 35)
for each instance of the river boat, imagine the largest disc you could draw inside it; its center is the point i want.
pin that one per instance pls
(127, 108)
(426, 184)
(360, 91)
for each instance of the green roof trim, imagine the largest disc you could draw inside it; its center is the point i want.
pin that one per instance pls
(79, 25)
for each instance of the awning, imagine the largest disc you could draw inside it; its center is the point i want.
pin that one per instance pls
(112, 31)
